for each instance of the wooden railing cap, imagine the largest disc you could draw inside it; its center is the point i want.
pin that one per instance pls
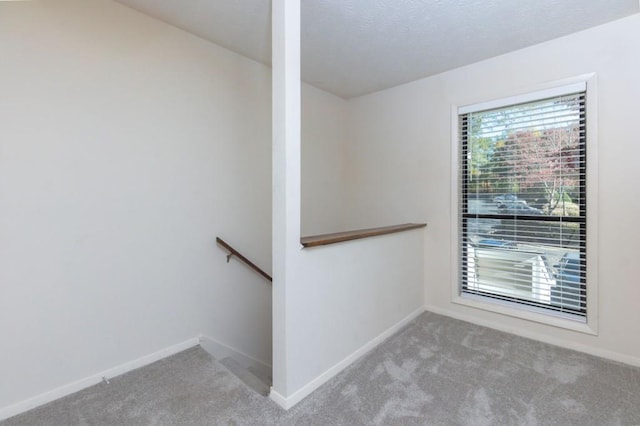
(338, 237)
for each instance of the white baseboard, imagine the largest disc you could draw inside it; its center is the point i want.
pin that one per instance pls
(279, 399)
(306, 390)
(220, 350)
(62, 391)
(602, 353)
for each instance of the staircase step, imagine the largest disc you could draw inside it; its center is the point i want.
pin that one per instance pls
(248, 377)
(262, 373)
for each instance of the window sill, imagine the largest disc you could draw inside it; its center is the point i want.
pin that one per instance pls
(528, 313)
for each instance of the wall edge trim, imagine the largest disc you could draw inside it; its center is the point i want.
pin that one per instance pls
(587, 349)
(306, 390)
(78, 385)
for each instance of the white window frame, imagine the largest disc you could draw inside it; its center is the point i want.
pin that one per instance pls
(513, 309)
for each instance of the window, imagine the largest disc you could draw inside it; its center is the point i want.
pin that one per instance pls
(522, 236)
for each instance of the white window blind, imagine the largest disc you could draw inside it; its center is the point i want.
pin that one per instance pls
(523, 202)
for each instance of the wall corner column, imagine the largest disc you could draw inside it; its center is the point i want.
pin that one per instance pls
(286, 116)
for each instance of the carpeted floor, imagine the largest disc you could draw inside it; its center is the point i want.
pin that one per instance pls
(435, 371)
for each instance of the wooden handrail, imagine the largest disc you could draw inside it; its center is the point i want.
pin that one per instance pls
(236, 253)
(338, 237)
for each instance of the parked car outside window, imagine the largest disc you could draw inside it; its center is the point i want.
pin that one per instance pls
(518, 207)
(500, 199)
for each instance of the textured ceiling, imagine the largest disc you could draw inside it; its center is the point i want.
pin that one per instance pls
(354, 47)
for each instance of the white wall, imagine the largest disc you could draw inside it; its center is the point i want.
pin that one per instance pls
(400, 154)
(344, 300)
(126, 146)
(386, 175)
(324, 129)
(287, 180)
(330, 303)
